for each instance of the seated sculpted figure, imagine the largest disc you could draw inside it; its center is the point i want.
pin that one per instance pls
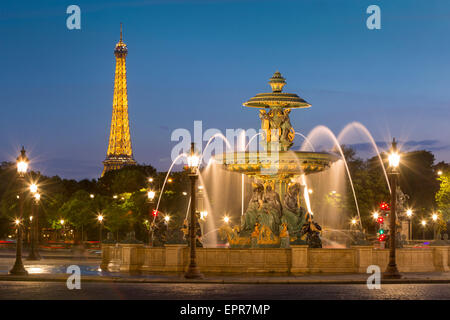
(250, 216)
(271, 212)
(293, 214)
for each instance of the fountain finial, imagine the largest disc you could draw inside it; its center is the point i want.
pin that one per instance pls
(277, 82)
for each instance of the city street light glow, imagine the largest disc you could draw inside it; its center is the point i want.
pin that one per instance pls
(37, 196)
(33, 188)
(17, 221)
(151, 195)
(22, 167)
(353, 221)
(193, 161)
(439, 172)
(226, 219)
(423, 222)
(150, 179)
(203, 215)
(100, 218)
(167, 218)
(375, 215)
(409, 213)
(184, 193)
(434, 216)
(394, 159)
(310, 191)
(61, 222)
(92, 196)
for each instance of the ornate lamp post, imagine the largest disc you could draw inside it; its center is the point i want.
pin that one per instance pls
(193, 162)
(166, 221)
(435, 217)
(394, 161)
(100, 221)
(424, 224)
(61, 222)
(34, 249)
(409, 214)
(22, 168)
(150, 195)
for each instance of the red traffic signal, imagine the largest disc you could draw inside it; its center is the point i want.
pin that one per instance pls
(385, 206)
(381, 237)
(380, 220)
(155, 212)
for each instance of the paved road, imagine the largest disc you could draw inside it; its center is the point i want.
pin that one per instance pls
(193, 291)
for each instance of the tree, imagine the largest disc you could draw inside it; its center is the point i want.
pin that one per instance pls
(127, 179)
(443, 195)
(418, 179)
(79, 211)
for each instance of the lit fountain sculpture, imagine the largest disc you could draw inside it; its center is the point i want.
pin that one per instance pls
(274, 216)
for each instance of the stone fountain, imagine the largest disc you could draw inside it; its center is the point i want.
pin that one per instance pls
(278, 221)
(278, 213)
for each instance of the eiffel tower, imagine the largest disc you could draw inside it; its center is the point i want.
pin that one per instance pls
(119, 153)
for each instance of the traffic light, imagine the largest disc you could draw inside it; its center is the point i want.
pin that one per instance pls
(155, 212)
(381, 237)
(380, 220)
(385, 206)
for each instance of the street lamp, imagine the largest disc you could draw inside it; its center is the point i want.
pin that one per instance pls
(424, 224)
(394, 161)
(22, 167)
(439, 173)
(434, 217)
(203, 215)
(34, 249)
(193, 163)
(226, 219)
(100, 220)
(151, 196)
(409, 214)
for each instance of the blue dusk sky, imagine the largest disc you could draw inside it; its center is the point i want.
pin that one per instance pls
(200, 60)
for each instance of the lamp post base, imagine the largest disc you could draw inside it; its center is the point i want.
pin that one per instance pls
(18, 269)
(193, 273)
(391, 273)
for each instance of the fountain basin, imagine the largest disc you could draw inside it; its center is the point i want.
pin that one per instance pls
(297, 259)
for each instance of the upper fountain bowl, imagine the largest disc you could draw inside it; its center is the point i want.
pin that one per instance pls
(276, 98)
(281, 164)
